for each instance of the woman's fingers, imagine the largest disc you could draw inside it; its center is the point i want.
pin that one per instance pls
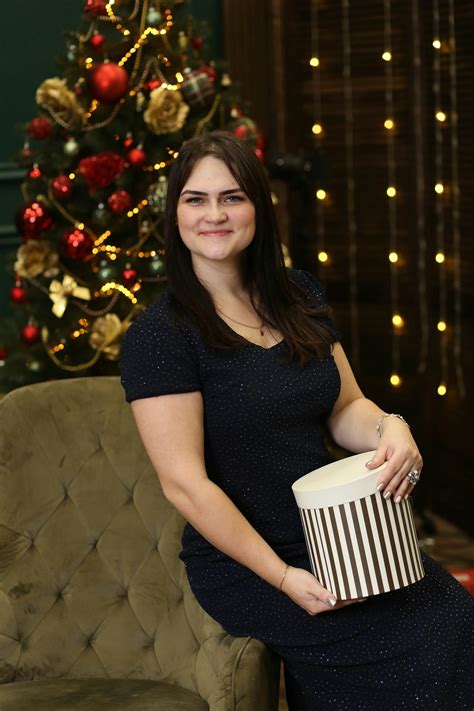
(397, 485)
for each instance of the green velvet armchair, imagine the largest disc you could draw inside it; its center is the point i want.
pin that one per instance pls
(95, 608)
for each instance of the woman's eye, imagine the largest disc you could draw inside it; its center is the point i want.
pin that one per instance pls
(194, 200)
(234, 198)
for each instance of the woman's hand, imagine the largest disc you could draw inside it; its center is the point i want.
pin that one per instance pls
(304, 589)
(398, 448)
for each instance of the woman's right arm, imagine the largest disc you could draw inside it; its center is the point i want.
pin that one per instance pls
(171, 427)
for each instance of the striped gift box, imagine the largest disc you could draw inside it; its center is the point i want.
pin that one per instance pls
(359, 543)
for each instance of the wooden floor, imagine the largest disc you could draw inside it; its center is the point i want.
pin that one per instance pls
(449, 546)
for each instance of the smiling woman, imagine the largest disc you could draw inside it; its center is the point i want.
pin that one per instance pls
(231, 418)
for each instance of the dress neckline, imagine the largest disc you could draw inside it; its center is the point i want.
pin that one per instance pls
(250, 343)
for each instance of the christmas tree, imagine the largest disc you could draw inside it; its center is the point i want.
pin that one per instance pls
(135, 83)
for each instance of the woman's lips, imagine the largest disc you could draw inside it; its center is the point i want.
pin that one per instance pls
(216, 232)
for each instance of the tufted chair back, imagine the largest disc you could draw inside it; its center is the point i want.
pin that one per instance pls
(90, 581)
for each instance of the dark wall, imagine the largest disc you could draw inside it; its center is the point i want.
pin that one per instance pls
(32, 37)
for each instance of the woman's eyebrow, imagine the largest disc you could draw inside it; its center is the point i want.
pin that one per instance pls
(223, 192)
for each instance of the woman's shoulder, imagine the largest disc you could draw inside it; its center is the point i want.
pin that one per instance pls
(309, 282)
(155, 323)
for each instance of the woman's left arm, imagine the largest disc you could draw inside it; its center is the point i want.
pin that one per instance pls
(352, 425)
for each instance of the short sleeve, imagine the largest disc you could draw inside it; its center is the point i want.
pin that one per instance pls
(315, 289)
(156, 358)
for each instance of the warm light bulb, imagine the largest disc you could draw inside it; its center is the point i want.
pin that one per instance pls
(440, 257)
(314, 61)
(397, 320)
(393, 257)
(317, 128)
(441, 326)
(442, 389)
(436, 44)
(389, 124)
(387, 56)
(321, 194)
(391, 191)
(439, 188)
(323, 256)
(441, 116)
(395, 380)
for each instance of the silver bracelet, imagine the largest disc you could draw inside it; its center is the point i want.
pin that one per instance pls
(382, 418)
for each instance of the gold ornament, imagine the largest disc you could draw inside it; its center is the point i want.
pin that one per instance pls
(286, 256)
(106, 334)
(226, 80)
(54, 96)
(59, 294)
(166, 111)
(36, 257)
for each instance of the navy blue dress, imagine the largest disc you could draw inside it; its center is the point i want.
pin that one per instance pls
(264, 427)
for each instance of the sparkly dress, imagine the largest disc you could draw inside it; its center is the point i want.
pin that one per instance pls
(264, 428)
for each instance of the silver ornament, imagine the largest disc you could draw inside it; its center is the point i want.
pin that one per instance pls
(157, 195)
(100, 214)
(157, 266)
(153, 17)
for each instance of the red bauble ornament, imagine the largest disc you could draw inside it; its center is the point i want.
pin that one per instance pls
(241, 131)
(196, 42)
(76, 244)
(3, 353)
(153, 84)
(102, 169)
(210, 71)
(62, 187)
(259, 153)
(128, 143)
(136, 157)
(97, 41)
(108, 82)
(40, 127)
(120, 201)
(30, 334)
(33, 219)
(18, 295)
(35, 173)
(129, 276)
(95, 7)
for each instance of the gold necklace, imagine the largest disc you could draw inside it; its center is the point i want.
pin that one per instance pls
(256, 328)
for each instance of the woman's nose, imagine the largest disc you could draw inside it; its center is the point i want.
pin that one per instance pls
(215, 212)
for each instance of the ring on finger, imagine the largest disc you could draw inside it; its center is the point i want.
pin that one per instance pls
(413, 476)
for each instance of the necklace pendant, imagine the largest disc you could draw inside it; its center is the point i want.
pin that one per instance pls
(261, 332)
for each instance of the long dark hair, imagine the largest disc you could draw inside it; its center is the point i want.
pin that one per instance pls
(283, 303)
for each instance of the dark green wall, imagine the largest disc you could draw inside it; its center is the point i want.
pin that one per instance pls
(32, 37)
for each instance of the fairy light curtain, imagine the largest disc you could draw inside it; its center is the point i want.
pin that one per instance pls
(427, 184)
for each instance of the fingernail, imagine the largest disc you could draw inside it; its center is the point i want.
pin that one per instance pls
(398, 499)
(387, 495)
(367, 464)
(363, 599)
(331, 601)
(380, 486)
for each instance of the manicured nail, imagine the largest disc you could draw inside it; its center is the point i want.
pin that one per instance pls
(380, 486)
(398, 499)
(332, 601)
(387, 495)
(368, 463)
(362, 599)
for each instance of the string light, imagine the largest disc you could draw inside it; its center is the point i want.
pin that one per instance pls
(317, 129)
(439, 188)
(113, 286)
(389, 124)
(314, 62)
(441, 326)
(442, 390)
(397, 321)
(436, 44)
(440, 257)
(440, 116)
(387, 56)
(323, 257)
(391, 191)
(395, 380)
(393, 257)
(321, 194)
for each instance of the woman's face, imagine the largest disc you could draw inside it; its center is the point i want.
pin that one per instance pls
(216, 219)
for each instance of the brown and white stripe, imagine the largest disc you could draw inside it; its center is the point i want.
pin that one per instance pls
(363, 547)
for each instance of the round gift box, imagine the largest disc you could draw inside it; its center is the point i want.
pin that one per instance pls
(359, 543)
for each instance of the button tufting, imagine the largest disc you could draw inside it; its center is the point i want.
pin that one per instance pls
(89, 641)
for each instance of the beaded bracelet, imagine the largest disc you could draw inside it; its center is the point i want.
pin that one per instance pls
(284, 576)
(382, 418)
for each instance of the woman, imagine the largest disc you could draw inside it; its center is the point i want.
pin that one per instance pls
(234, 374)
